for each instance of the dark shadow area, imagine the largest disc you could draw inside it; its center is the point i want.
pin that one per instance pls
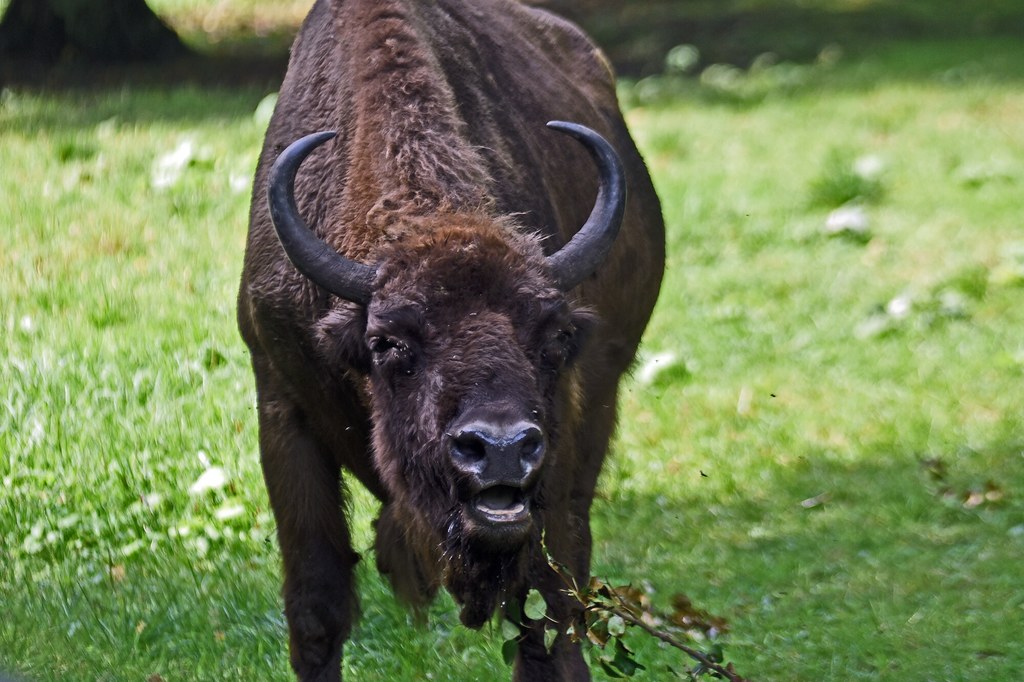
(834, 549)
(197, 87)
(236, 68)
(83, 110)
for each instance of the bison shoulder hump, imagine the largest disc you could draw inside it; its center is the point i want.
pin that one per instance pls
(563, 38)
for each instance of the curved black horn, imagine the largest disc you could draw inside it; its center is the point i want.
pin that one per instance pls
(311, 256)
(588, 248)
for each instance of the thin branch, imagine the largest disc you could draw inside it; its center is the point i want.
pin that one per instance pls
(672, 641)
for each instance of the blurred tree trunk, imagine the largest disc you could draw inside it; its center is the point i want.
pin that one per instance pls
(95, 30)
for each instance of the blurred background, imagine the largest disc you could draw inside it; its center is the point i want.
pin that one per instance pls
(636, 35)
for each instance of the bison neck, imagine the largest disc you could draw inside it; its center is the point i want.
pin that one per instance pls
(410, 156)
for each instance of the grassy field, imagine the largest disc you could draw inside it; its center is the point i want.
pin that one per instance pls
(823, 443)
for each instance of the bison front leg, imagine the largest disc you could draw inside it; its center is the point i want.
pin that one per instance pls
(568, 539)
(303, 484)
(564, 661)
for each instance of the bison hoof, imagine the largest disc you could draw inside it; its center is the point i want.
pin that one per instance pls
(317, 634)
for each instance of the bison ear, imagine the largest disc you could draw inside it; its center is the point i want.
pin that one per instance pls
(339, 336)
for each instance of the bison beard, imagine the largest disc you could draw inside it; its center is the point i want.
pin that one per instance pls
(481, 576)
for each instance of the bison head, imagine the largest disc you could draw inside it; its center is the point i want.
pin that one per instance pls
(462, 335)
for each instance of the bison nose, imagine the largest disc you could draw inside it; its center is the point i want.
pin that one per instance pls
(498, 455)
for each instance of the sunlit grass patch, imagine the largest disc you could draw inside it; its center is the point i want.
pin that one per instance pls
(246, 23)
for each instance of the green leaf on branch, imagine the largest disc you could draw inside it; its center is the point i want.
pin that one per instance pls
(535, 607)
(597, 629)
(509, 650)
(550, 635)
(624, 660)
(621, 664)
(509, 630)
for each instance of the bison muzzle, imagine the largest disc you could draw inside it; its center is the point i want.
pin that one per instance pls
(440, 295)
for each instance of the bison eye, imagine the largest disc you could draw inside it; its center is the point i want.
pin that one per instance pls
(391, 353)
(556, 350)
(382, 344)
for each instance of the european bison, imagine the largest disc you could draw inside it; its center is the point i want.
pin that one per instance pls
(424, 309)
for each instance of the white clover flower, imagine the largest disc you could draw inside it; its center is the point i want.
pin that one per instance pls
(847, 219)
(899, 307)
(167, 169)
(213, 478)
(229, 511)
(869, 166)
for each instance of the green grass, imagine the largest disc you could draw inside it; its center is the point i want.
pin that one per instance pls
(834, 461)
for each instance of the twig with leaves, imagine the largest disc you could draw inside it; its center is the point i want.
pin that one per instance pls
(609, 611)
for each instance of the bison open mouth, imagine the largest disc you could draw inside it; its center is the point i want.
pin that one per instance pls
(502, 504)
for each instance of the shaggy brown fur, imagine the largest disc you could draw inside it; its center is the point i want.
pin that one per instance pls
(444, 176)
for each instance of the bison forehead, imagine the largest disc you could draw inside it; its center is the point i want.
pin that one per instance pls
(463, 260)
